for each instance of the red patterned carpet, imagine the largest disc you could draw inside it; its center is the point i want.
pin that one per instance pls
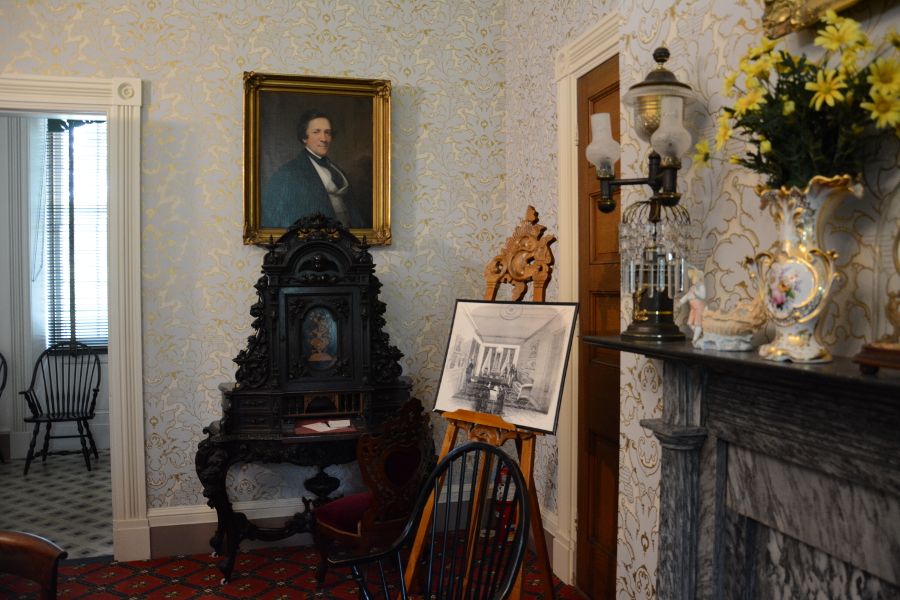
(265, 574)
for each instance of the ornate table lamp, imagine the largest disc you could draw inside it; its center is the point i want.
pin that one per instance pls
(655, 234)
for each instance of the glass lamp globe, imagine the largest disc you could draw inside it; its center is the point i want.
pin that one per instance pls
(603, 151)
(671, 140)
(645, 97)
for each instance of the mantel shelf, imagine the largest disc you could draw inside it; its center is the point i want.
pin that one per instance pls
(841, 372)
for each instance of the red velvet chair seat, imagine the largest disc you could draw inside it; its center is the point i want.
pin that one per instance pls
(393, 463)
(346, 512)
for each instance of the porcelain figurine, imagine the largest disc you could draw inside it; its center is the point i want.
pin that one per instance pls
(696, 299)
(732, 330)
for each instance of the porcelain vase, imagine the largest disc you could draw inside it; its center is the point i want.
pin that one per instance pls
(796, 275)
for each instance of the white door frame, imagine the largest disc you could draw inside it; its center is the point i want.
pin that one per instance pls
(120, 100)
(574, 60)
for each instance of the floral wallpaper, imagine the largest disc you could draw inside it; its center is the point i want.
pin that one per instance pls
(445, 60)
(473, 143)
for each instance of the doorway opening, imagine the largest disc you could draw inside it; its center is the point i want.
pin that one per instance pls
(119, 99)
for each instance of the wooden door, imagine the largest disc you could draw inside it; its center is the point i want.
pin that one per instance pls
(598, 396)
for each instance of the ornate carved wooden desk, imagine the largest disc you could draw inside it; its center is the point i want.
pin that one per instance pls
(317, 353)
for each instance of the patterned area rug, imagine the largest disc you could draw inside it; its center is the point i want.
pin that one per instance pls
(264, 574)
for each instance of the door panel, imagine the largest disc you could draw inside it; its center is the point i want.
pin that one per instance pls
(598, 396)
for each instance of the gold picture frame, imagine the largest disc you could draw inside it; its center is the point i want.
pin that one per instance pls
(781, 17)
(279, 186)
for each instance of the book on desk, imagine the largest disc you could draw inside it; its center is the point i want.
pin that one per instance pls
(322, 426)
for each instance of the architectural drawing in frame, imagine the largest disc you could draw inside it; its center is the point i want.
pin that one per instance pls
(508, 359)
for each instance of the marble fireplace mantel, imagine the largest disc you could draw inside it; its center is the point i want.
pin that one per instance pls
(778, 480)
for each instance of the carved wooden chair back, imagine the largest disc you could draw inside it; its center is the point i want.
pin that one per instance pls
(525, 258)
(476, 535)
(393, 463)
(33, 558)
(64, 387)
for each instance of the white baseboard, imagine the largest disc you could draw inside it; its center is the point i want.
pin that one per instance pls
(197, 514)
(188, 529)
(131, 539)
(561, 550)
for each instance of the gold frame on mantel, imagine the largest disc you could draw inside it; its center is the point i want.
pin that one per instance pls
(781, 17)
(361, 113)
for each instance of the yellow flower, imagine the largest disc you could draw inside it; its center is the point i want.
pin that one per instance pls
(752, 83)
(724, 132)
(750, 101)
(701, 156)
(885, 110)
(758, 67)
(844, 34)
(826, 87)
(765, 146)
(734, 159)
(789, 107)
(765, 47)
(830, 17)
(884, 76)
(728, 84)
(848, 61)
(894, 38)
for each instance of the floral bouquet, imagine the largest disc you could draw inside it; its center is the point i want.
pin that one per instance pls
(803, 118)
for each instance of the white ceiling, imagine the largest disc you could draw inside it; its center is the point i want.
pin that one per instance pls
(509, 323)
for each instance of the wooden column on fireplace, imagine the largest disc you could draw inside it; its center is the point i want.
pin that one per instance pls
(778, 480)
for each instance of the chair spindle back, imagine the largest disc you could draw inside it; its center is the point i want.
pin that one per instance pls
(65, 381)
(476, 542)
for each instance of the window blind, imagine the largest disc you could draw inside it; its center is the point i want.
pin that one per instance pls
(76, 238)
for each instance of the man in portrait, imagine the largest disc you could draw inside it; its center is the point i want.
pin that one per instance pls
(311, 182)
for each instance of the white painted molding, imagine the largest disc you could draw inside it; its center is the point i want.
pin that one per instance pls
(574, 60)
(120, 100)
(20, 278)
(37, 92)
(196, 514)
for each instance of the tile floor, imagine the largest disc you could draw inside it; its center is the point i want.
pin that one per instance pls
(60, 500)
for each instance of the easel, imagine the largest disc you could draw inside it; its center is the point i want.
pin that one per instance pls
(525, 257)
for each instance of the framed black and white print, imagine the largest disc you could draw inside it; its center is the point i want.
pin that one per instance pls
(508, 359)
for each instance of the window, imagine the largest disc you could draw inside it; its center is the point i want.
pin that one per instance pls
(75, 232)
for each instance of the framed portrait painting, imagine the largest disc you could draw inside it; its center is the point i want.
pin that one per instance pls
(508, 359)
(316, 144)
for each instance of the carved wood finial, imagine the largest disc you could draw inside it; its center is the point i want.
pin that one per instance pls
(525, 257)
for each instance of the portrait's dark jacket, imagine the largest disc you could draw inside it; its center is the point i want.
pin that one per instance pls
(296, 190)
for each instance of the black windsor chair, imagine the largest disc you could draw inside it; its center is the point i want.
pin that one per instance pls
(475, 543)
(63, 389)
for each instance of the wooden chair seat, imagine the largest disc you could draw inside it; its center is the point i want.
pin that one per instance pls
(31, 557)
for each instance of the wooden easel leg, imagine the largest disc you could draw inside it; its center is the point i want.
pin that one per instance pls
(526, 463)
(419, 541)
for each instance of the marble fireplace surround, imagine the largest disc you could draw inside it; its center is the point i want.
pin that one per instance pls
(778, 480)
